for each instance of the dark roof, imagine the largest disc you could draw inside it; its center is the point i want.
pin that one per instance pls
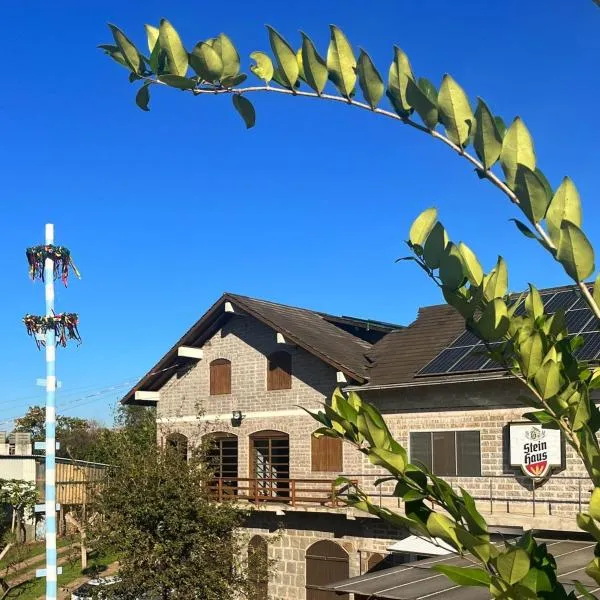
(417, 580)
(321, 334)
(400, 355)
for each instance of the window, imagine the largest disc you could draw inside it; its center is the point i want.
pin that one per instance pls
(220, 377)
(223, 455)
(326, 454)
(179, 443)
(279, 371)
(447, 452)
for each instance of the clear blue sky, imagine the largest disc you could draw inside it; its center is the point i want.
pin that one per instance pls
(165, 210)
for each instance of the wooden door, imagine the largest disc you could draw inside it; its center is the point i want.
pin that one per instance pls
(326, 562)
(270, 463)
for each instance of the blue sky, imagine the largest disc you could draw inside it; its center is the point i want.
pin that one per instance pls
(164, 211)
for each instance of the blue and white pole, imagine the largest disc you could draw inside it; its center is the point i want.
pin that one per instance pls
(50, 491)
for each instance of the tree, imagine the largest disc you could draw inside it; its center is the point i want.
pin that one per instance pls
(21, 496)
(78, 437)
(534, 347)
(173, 540)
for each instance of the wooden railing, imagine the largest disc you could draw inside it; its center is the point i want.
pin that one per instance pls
(286, 491)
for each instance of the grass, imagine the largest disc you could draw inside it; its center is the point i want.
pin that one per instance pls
(27, 551)
(35, 588)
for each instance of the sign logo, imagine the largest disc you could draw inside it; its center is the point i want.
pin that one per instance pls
(534, 449)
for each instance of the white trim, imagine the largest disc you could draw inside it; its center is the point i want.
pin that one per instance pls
(426, 382)
(145, 395)
(229, 307)
(190, 352)
(280, 338)
(340, 377)
(292, 412)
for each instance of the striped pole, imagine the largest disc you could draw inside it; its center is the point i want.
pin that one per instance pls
(50, 491)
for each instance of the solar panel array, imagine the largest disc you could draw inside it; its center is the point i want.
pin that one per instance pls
(466, 354)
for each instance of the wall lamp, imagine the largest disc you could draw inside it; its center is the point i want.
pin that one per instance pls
(236, 418)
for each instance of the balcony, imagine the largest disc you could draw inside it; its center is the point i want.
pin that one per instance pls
(504, 500)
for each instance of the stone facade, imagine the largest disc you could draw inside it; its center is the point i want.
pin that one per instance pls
(186, 406)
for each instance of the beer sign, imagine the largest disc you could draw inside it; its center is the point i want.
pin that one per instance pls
(534, 449)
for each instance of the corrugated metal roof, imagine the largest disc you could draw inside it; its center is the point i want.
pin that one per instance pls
(418, 580)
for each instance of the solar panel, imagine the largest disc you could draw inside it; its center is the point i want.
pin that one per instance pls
(472, 361)
(590, 348)
(444, 361)
(575, 320)
(564, 300)
(466, 353)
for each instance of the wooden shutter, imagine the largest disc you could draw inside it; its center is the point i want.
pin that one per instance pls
(468, 453)
(444, 452)
(279, 371)
(420, 448)
(220, 377)
(327, 454)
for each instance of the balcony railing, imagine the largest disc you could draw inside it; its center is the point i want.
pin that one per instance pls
(280, 490)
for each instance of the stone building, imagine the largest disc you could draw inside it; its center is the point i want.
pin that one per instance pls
(243, 374)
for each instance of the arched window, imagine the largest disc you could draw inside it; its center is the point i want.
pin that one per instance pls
(222, 453)
(179, 443)
(279, 371)
(220, 377)
(326, 562)
(270, 463)
(258, 568)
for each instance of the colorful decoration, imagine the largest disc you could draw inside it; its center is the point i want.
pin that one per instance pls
(37, 255)
(64, 325)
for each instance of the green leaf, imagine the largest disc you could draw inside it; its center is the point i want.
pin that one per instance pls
(370, 80)
(465, 576)
(513, 566)
(428, 89)
(400, 72)
(315, 67)
(531, 351)
(263, 68)
(176, 81)
(517, 149)
(142, 98)
(224, 47)
(487, 141)
(170, 42)
(586, 523)
(341, 62)
(537, 580)
(455, 111)
(532, 194)
(533, 303)
(130, 54)
(496, 283)
(246, 110)
(596, 294)
(524, 229)
(152, 35)
(481, 549)
(543, 418)
(583, 591)
(451, 267)
(575, 252)
(582, 411)
(286, 58)
(547, 380)
(114, 53)
(234, 80)
(422, 226)
(472, 265)
(593, 570)
(391, 461)
(493, 323)
(565, 204)
(435, 245)
(206, 62)
(425, 107)
(544, 181)
(595, 504)
(501, 125)
(441, 526)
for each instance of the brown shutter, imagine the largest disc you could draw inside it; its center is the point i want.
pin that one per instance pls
(220, 377)
(327, 454)
(444, 452)
(468, 453)
(279, 371)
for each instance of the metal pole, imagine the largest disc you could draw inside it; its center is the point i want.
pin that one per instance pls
(50, 489)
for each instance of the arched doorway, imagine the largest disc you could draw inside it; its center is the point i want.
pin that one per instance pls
(270, 463)
(178, 442)
(222, 456)
(326, 562)
(258, 568)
